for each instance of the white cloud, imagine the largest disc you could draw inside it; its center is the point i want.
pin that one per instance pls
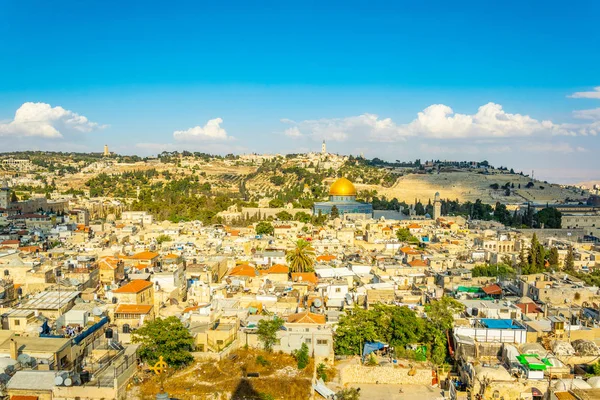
(594, 94)
(341, 129)
(490, 121)
(293, 132)
(565, 148)
(212, 131)
(43, 120)
(438, 121)
(593, 114)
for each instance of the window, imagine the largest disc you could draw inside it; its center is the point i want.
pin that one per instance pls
(338, 290)
(322, 342)
(219, 342)
(308, 341)
(17, 322)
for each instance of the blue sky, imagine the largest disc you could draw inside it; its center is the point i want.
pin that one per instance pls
(493, 80)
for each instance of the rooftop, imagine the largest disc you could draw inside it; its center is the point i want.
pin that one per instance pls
(134, 287)
(50, 300)
(133, 309)
(32, 380)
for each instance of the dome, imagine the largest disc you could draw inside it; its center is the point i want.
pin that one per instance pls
(342, 187)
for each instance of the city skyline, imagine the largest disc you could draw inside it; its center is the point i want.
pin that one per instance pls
(514, 85)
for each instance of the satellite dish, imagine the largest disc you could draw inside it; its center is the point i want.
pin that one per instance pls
(40, 330)
(58, 380)
(317, 303)
(75, 282)
(97, 311)
(68, 382)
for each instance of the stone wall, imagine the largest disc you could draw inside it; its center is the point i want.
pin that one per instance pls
(356, 373)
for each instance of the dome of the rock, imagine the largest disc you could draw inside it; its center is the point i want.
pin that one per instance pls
(342, 187)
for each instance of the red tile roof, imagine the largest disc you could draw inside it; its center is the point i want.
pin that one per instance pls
(418, 263)
(326, 257)
(529, 308)
(134, 287)
(243, 270)
(133, 309)
(306, 317)
(492, 289)
(309, 277)
(144, 255)
(108, 263)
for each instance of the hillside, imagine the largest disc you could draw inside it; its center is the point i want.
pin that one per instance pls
(298, 179)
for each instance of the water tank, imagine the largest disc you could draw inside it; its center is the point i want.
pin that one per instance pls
(162, 396)
(108, 334)
(85, 376)
(475, 312)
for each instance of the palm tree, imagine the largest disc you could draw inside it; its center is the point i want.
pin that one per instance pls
(302, 257)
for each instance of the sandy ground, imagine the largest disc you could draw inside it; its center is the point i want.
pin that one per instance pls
(409, 392)
(469, 187)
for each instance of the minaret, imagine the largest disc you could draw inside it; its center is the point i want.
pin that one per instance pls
(437, 206)
(4, 194)
(323, 148)
(106, 152)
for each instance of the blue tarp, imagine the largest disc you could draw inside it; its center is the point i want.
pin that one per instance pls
(90, 330)
(371, 347)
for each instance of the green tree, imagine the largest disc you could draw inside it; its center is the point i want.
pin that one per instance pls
(335, 213)
(549, 217)
(163, 238)
(348, 394)
(501, 214)
(277, 180)
(302, 217)
(284, 216)
(166, 337)
(570, 260)
(523, 265)
(322, 372)
(536, 256)
(302, 257)
(441, 312)
(13, 197)
(492, 270)
(404, 235)
(264, 228)
(302, 356)
(267, 331)
(276, 203)
(553, 257)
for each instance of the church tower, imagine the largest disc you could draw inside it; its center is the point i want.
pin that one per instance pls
(323, 148)
(437, 206)
(4, 195)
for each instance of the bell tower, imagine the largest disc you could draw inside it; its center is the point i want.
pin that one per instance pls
(437, 206)
(4, 194)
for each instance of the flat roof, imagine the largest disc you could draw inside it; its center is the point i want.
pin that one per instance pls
(36, 344)
(49, 300)
(32, 380)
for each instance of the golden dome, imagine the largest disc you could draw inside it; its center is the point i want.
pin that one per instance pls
(342, 187)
